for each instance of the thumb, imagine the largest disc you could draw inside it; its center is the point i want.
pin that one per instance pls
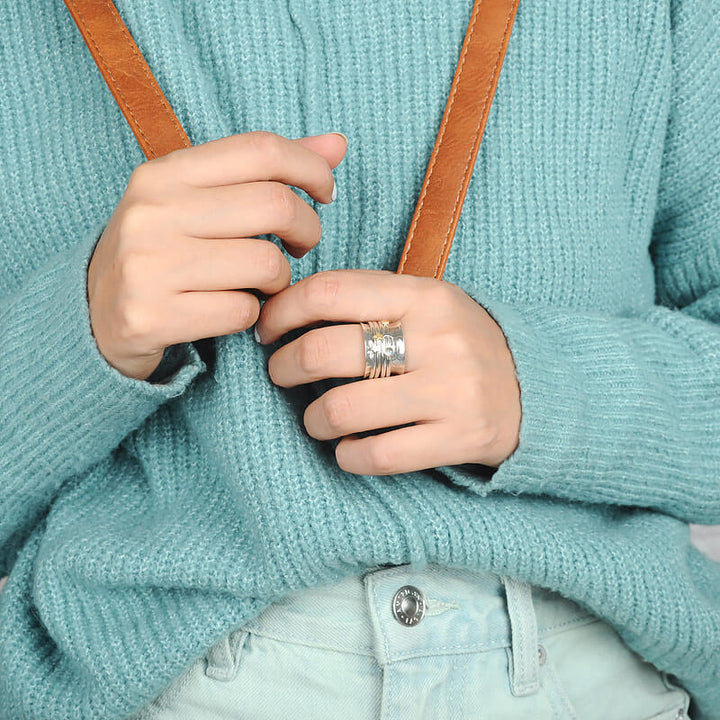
(331, 146)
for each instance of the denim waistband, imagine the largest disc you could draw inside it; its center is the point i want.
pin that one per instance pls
(471, 611)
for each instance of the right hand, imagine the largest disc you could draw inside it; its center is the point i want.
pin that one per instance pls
(176, 254)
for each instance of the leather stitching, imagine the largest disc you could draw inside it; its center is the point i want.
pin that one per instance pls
(148, 75)
(105, 64)
(471, 32)
(477, 131)
(151, 78)
(443, 127)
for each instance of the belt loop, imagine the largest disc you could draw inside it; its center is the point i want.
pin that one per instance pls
(224, 656)
(524, 659)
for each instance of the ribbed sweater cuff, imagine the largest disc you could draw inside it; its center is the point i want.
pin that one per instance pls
(615, 410)
(120, 398)
(553, 408)
(554, 425)
(67, 406)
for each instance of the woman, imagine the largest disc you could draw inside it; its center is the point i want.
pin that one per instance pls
(190, 534)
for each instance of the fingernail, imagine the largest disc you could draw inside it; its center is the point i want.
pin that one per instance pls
(334, 192)
(342, 135)
(257, 336)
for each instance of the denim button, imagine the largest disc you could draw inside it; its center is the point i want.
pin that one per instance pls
(408, 605)
(542, 655)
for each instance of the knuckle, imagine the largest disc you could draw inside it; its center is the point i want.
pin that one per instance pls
(283, 204)
(481, 436)
(144, 177)
(322, 289)
(444, 293)
(265, 143)
(313, 352)
(131, 266)
(456, 343)
(132, 323)
(247, 312)
(162, 162)
(271, 261)
(337, 409)
(453, 289)
(136, 219)
(136, 181)
(381, 457)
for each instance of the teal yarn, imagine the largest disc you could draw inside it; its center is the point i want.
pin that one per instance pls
(142, 520)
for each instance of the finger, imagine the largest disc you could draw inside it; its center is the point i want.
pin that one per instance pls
(233, 211)
(196, 315)
(338, 295)
(256, 156)
(327, 145)
(369, 405)
(335, 351)
(219, 264)
(419, 447)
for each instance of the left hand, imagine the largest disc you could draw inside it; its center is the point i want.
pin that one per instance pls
(459, 388)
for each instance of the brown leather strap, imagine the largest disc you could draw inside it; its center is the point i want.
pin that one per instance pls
(433, 226)
(128, 76)
(453, 158)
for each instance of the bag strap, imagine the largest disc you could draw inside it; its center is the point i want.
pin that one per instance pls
(456, 147)
(158, 131)
(128, 76)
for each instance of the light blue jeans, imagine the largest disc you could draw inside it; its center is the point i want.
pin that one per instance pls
(408, 643)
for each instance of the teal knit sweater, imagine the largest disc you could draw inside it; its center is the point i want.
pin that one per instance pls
(142, 520)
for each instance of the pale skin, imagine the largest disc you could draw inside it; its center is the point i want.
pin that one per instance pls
(176, 260)
(177, 256)
(459, 388)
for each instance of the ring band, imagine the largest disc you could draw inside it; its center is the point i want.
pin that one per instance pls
(384, 348)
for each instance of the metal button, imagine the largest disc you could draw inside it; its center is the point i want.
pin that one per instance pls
(408, 605)
(542, 655)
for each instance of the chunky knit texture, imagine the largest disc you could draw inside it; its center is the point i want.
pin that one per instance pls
(140, 521)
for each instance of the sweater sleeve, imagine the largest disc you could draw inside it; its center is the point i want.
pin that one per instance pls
(626, 409)
(63, 407)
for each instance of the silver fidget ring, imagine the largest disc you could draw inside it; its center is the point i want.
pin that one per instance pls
(384, 348)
